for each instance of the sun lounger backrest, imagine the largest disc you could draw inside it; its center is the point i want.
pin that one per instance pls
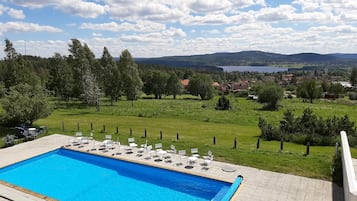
(158, 146)
(194, 150)
(149, 147)
(182, 152)
(131, 140)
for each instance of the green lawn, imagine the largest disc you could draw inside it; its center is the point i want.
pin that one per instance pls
(197, 122)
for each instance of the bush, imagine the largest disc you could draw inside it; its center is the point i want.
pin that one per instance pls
(336, 169)
(270, 94)
(352, 95)
(242, 94)
(309, 128)
(223, 103)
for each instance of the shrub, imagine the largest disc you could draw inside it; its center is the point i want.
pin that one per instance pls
(223, 103)
(336, 169)
(352, 95)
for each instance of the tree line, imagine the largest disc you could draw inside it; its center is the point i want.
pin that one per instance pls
(79, 75)
(26, 81)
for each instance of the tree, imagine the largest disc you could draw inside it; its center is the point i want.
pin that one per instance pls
(201, 85)
(173, 86)
(17, 68)
(79, 64)
(60, 77)
(9, 50)
(110, 76)
(287, 125)
(335, 89)
(131, 81)
(270, 94)
(307, 123)
(353, 77)
(91, 90)
(268, 131)
(155, 83)
(25, 104)
(223, 103)
(85, 67)
(309, 90)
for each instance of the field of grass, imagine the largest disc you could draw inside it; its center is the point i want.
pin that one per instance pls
(197, 122)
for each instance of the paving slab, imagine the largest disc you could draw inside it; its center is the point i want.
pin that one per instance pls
(258, 185)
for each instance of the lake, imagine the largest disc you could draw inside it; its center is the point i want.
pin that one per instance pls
(259, 69)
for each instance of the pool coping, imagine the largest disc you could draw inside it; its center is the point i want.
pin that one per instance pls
(258, 184)
(27, 192)
(24, 190)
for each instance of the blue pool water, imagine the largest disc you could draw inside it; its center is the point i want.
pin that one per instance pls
(69, 175)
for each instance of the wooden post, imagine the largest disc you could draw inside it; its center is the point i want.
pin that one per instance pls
(281, 144)
(177, 136)
(160, 134)
(62, 125)
(117, 130)
(214, 140)
(235, 143)
(91, 126)
(307, 149)
(131, 131)
(258, 143)
(78, 126)
(145, 133)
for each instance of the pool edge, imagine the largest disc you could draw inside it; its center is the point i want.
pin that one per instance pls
(25, 191)
(116, 157)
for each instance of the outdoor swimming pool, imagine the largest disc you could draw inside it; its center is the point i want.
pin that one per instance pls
(70, 175)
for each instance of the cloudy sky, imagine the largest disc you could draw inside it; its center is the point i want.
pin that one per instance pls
(153, 28)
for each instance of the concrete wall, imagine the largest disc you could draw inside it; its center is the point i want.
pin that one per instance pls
(349, 177)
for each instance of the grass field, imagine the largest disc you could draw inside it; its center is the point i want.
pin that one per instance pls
(197, 122)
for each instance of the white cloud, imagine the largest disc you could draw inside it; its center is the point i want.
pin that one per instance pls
(97, 34)
(17, 14)
(153, 10)
(337, 7)
(139, 26)
(213, 31)
(83, 9)
(280, 13)
(75, 7)
(206, 6)
(174, 32)
(2, 9)
(155, 37)
(260, 2)
(347, 29)
(204, 20)
(307, 5)
(26, 27)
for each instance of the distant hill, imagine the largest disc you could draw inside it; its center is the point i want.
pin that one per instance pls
(345, 56)
(253, 58)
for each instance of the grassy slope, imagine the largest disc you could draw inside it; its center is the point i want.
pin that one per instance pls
(197, 125)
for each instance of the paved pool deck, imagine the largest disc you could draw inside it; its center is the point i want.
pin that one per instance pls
(258, 185)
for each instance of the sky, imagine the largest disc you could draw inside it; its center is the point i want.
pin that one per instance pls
(155, 28)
